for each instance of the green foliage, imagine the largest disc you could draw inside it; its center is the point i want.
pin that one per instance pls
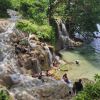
(15, 4)
(91, 91)
(4, 5)
(37, 11)
(84, 14)
(32, 9)
(4, 95)
(80, 15)
(97, 77)
(43, 32)
(23, 42)
(27, 26)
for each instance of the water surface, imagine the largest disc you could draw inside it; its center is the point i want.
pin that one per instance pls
(89, 62)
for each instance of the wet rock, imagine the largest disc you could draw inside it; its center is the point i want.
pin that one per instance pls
(33, 64)
(2, 71)
(1, 56)
(24, 96)
(7, 81)
(1, 30)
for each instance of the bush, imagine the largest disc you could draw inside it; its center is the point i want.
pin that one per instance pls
(4, 95)
(27, 26)
(43, 32)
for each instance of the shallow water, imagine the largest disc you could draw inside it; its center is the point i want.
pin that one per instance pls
(89, 63)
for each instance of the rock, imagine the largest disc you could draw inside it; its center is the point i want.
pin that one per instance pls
(33, 37)
(8, 81)
(51, 89)
(24, 96)
(1, 56)
(1, 30)
(32, 64)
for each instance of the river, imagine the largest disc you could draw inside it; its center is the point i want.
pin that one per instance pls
(89, 59)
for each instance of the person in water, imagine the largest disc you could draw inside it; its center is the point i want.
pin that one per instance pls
(77, 62)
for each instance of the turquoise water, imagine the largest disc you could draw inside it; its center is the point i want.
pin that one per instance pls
(89, 63)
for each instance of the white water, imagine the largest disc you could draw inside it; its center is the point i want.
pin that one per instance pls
(63, 35)
(96, 41)
(64, 30)
(8, 61)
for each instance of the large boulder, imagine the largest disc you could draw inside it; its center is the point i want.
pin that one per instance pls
(24, 96)
(50, 89)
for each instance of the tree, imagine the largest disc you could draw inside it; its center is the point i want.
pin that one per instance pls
(4, 5)
(80, 15)
(84, 14)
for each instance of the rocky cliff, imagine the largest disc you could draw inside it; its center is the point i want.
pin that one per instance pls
(23, 56)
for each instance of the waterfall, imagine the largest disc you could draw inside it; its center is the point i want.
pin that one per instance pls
(63, 37)
(8, 61)
(64, 30)
(96, 41)
(49, 55)
(98, 26)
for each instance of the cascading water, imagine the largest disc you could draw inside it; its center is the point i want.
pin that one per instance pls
(7, 62)
(64, 30)
(96, 41)
(50, 62)
(63, 36)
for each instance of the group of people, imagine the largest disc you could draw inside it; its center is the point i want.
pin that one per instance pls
(73, 88)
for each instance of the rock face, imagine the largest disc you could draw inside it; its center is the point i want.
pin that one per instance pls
(50, 89)
(32, 54)
(3, 25)
(20, 53)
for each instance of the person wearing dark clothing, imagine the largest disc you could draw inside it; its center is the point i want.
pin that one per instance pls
(78, 86)
(74, 87)
(40, 77)
(17, 49)
(65, 78)
(77, 62)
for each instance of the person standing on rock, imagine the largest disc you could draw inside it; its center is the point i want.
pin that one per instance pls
(41, 76)
(78, 86)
